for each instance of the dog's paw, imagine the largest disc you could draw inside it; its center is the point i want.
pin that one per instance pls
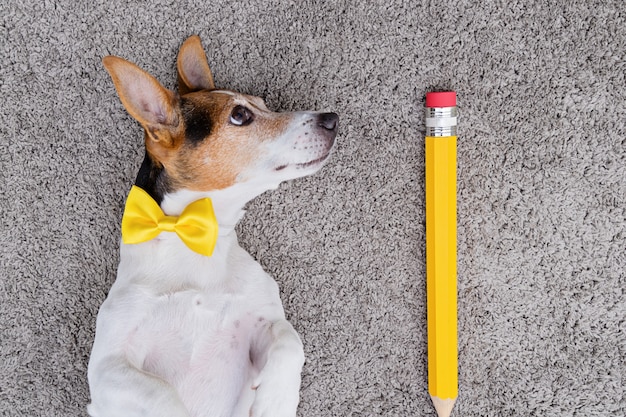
(274, 401)
(278, 388)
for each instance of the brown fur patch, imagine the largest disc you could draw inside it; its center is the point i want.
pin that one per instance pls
(216, 161)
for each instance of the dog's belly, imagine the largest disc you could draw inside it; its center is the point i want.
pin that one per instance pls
(200, 344)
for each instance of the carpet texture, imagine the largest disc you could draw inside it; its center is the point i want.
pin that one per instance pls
(541, 190)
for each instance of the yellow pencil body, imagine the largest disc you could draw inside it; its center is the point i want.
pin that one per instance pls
(441, 267)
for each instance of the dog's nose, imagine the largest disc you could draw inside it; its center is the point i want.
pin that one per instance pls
(328, 121)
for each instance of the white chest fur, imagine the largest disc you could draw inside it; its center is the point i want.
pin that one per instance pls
(197, 324)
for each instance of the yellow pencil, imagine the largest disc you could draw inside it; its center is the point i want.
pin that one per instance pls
(441, 250)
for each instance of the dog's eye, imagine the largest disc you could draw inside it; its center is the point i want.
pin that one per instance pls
(241, 116)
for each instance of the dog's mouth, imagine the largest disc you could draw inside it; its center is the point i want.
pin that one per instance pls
(313, 162)
(304, 165)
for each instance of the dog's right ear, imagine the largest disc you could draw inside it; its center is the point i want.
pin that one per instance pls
(194, 73)
(153, 105)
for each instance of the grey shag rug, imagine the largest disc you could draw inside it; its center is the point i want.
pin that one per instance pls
(541, 191)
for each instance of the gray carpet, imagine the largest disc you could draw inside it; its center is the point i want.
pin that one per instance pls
(542, 192)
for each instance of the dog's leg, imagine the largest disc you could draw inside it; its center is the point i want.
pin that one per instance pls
(120, 389)
(280, 356)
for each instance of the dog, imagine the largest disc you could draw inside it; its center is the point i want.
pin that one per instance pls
(190, 332)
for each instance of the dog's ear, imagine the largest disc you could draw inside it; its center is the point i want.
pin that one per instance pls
(194, 73)
(143, 96)
(153, 105)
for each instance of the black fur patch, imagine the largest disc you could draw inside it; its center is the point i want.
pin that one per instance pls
(152, 179)
(197, 122)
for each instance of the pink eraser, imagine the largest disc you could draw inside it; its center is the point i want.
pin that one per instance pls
(441, 99)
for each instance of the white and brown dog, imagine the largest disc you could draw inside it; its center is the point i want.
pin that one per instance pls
(182, 334)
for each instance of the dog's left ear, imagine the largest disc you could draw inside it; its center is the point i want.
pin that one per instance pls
(194, 73)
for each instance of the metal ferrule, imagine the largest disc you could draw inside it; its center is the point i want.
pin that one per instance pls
(441, 121)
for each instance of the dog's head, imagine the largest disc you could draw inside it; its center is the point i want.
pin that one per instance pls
(205, 139)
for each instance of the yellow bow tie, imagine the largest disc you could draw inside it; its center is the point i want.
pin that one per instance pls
(143, 220)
